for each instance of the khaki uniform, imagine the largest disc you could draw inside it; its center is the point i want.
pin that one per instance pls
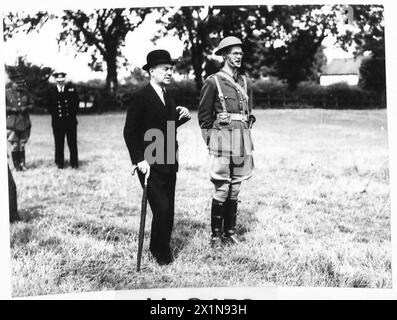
(230, 145)
(18, 104)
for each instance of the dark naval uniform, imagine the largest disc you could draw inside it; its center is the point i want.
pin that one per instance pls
(63, 106)
(224, 116)
(18, 105)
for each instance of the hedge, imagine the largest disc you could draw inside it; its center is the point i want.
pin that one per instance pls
(266, 94)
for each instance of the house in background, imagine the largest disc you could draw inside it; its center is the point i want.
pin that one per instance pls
(341, 70)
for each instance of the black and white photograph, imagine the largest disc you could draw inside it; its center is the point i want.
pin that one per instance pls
(197, 146)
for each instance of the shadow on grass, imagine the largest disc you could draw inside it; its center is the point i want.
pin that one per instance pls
(246, 220)
(31, 213)
(46, 163)
(184, 229)
(39, 163)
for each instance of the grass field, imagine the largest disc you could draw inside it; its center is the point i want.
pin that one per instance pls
(316, 213)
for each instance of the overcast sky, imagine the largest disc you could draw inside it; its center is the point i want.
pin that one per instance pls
(41, 48)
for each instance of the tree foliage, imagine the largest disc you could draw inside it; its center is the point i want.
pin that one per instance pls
(100, 32)
(279, 40)
(370, 40)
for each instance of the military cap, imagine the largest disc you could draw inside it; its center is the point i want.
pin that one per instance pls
(157, 57)
(17, 77)
(59, 75)
(227, 42)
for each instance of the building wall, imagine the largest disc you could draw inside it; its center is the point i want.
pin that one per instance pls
(350, 79)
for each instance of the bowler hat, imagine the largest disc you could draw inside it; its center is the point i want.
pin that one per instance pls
(227, 42)
(157, 57)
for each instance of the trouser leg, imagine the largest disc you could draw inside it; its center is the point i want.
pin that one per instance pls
(12, 198)
(171, 202)
(22, 157)
(16, 155)
(161, 201)
(59, 140)
(71, 136)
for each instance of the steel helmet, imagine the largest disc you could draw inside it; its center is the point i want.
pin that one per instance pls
(227, 42)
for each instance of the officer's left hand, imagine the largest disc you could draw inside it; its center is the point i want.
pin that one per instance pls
(183, 112)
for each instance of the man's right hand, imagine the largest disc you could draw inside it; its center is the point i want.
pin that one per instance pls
(143, 166)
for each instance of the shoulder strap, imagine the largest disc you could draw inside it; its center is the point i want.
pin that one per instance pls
(220, 94)
(236, 85)
(245, 84)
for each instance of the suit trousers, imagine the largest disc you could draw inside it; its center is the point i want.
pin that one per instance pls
(161, 198)
(69, 130)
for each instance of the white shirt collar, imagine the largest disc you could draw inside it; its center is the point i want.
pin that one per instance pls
(60, 87)
(158, 89)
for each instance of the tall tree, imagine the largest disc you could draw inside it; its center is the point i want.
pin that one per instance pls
(99, 32)
(272, 37)
(368, 35)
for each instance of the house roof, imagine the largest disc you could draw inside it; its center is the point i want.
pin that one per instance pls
(343, 67)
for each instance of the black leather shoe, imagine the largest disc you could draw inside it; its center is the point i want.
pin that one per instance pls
(216, 242)
(232, 239)
(162, 258)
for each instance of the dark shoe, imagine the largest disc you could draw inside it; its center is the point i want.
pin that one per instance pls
(230, 217)
(217, 209)
(22, 162)
(16, 160)
(231, 238)
(216, 242)
(162, 258)
(163, 261)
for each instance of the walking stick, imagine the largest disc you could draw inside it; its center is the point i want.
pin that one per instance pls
(143, 219)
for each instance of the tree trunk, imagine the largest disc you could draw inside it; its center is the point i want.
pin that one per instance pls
(111, 77)
(197, 61)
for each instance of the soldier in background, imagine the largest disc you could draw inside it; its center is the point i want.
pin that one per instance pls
(18, 105)
(63, 104)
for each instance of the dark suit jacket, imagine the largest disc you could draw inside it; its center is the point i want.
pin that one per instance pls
(146, 111)
(63, 107)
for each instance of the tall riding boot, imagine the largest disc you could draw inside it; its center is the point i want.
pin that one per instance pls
(217, 209)
(22, 161)
(16, 160)
(230, 217)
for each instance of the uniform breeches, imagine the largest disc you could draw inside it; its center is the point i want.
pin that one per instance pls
(70, 131)
(161, 197)
(18, 139)
(227, 173)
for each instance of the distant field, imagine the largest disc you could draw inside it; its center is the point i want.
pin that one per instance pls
(316, 213)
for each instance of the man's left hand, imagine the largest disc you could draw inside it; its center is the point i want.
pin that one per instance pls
(183, 112)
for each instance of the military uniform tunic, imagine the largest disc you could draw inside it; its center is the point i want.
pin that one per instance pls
(230, 146)
(18, 105)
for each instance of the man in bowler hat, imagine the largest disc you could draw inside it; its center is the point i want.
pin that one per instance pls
(152, 110)
(63, 104)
